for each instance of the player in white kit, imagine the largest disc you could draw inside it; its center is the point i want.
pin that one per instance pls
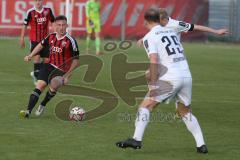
(169, 77)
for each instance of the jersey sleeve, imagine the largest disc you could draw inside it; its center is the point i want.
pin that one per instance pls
(45, 41)
(51, 16)
(27, 18)
(74, 49)
(183, 26)
(150, 45)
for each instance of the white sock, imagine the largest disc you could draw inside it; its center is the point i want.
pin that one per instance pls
(193, 126)
(141, 122)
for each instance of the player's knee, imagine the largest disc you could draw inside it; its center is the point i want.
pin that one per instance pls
(41, 85)
(56, 83)
(150, 104)
(182, 110)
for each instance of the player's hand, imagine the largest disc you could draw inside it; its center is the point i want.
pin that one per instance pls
(27, 58)
(66, 78)
(140, 42)
(22, 43)
(222, 32)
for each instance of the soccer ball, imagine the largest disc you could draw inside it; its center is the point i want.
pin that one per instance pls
(77, 114)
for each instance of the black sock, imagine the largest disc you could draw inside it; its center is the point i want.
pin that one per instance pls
(48, 97)
(33, 99)
(37, 67)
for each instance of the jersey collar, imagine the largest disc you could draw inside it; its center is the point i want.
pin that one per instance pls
(38, 10)
(61, 37)
(155, 27)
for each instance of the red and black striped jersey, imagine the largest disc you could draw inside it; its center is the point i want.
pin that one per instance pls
(62, 50)
(38, 22)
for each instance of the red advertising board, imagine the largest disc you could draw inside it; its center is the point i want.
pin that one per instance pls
(193, 11)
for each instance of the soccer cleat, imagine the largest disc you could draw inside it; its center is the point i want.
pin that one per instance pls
(132, 143)
(24, 113)
(203, 149)
(33, 77)
(40, 110)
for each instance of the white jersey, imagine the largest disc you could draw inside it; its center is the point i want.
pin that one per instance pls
(165, 42)
(179, 26)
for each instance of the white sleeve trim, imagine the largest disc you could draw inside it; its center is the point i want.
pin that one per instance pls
(74, 45)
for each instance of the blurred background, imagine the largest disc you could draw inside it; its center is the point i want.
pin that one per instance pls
(123, 19)
(214, 66)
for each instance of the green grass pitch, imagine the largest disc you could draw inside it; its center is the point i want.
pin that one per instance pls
(216, 101)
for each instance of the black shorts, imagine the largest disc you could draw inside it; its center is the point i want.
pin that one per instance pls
(48, 72)
(44, 53)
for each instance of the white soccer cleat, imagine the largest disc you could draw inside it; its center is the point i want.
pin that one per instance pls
(33, 77)
(40, 110)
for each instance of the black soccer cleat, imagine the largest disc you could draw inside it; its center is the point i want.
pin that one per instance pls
(203, 149)
(132, 143)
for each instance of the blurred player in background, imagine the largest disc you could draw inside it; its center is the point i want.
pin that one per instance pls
(38, 19)
(170, 78)
(63, 59)
(93, 23)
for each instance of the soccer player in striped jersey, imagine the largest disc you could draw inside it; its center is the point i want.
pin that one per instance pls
(38, 19)
(63, 59)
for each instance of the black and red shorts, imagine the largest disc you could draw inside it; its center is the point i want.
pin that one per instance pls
(48, 72)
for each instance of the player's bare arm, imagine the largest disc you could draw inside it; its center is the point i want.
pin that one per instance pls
(21, 41)
(36, 50)
(211, 30)
(74, 65)
(140, 42)
(153, 68)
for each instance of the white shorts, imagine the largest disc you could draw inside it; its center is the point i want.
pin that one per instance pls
(165, 91)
